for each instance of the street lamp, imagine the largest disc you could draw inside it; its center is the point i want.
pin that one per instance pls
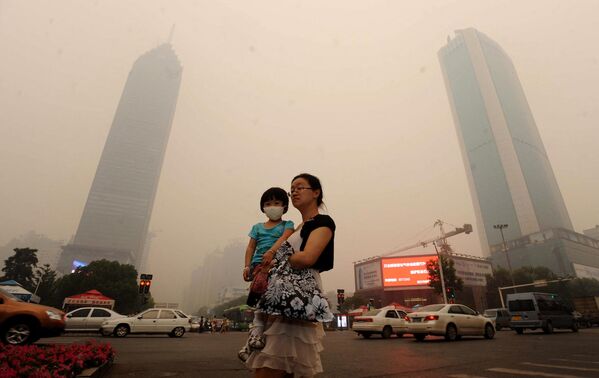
(500, 227)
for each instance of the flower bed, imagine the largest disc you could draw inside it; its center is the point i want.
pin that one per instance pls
(41, 361)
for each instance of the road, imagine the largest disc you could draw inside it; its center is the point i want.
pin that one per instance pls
(564, 354)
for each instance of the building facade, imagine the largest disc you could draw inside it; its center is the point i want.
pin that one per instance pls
(592, 232)
(115, 220)
(565, 252)
(509, 174)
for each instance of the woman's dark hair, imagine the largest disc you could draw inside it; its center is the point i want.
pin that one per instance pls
(275, 194)
(314, 184)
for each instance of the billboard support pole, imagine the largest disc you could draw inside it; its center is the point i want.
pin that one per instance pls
(441, 273)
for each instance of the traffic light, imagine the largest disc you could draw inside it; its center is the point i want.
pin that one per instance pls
(145, 280)
(340, 296)
(450, 292)
(144, 286)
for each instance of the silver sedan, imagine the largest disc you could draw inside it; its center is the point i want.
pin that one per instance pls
(89, 319)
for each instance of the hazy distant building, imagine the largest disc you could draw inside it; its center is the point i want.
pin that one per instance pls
(218, 279)
(592, 232)
(115, 220)
(566, 253)
(510, 177)
(48, 250)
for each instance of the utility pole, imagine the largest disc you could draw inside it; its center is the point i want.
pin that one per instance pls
(500, 227)
(441, 273)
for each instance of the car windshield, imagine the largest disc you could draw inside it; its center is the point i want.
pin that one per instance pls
(372, 312)
(430, 308)
(9, 295)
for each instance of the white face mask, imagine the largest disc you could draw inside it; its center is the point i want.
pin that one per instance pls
(274, 213)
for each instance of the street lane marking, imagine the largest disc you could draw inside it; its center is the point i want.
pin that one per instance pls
(530, 373)
(559, 367)
(576, 361)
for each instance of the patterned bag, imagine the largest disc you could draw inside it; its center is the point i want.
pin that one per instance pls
(294, 293)
(258, 285)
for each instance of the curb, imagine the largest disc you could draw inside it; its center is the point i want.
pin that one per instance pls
(98, 371)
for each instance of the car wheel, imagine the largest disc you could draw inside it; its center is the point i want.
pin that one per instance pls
(451, 333)
(419, 336)
(548, 329)
(519, 331)
(489, 332)
(178, 332)
(575, 327)
(19, 332)
(366, 335)
(121, 330)
(387, 331)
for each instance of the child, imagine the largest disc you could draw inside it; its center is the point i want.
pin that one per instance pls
(265, 239)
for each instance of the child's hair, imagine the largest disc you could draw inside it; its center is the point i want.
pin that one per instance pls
(275, 194)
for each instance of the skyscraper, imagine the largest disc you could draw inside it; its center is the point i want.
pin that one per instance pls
(509, 174)
(115, 220)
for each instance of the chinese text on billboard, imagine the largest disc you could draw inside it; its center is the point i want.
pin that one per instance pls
(406, 271)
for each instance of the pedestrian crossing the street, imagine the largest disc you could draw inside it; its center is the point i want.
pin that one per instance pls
(573, 366)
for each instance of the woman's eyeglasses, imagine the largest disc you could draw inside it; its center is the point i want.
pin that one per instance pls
(298, 189)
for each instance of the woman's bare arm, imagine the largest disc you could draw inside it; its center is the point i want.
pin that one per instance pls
(317, 241)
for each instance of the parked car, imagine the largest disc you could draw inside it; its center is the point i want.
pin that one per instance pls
(173, 323)
(500, 315)
(450, 320)
(539, 310)
(383, 321)
(24, 323)
(89, 319)
(195, 324)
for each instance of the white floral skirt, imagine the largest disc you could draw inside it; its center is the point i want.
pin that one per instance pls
(291, 345)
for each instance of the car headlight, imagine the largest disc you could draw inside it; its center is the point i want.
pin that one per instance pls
(53, 315)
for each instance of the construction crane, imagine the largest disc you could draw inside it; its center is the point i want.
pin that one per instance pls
(466, 229)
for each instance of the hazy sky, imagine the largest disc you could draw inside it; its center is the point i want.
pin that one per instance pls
(350, 91)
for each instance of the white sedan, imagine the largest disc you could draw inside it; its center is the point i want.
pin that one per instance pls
(89, 319)
(384, 321)
(171, 322)
(452, 321)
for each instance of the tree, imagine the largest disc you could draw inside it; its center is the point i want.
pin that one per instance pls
(449, 275)
(45, 280)
(113, 279)
(499, 278)
(352, 303)
(529, 274)
(20, 267)
(583, 287)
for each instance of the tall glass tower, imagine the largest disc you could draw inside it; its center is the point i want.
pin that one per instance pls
(115, 220)
(510, 177)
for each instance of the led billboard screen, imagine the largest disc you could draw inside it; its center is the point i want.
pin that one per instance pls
(406, 271)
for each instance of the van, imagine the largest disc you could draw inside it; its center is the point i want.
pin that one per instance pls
(539, 310)
(24, 323)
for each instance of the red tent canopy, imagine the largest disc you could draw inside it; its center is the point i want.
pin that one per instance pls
(89, 298)
(400, 307)
(358, 311)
